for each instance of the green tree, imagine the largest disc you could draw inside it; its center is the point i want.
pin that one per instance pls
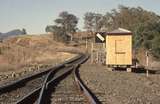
(144, 24)
(65, 26)
(93, 21)
(88, 21)
(67, 21)
(24, 31)
(49, 28)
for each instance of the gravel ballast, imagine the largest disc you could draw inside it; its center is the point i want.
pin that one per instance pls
(121, 87)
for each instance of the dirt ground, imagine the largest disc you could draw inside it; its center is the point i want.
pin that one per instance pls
(121, 87)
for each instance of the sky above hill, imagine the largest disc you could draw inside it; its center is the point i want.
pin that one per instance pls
(35, 15)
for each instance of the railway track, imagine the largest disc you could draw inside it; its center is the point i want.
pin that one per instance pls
(59, 82)
(14, 95)
(15, 90)
(67, 92)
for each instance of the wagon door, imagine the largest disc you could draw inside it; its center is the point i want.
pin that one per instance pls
(119, 52)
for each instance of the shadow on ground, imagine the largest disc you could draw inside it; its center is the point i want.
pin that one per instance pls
(139, 70)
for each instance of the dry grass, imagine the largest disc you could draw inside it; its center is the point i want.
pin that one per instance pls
(20, 51)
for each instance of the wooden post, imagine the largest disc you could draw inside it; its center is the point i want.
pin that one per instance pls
(91, 53)
(97, 58)
(103, 53)
(86, 44)
(71, 37)
(101, 58)
(103, 45)
(81, 38)
(147, 63)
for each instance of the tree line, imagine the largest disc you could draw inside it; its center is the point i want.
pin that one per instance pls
(144, 24)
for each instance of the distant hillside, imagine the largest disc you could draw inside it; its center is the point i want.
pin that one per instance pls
(11, 33)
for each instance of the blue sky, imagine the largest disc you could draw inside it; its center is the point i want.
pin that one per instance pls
(34, 15)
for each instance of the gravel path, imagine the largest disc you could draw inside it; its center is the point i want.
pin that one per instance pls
(120, 87)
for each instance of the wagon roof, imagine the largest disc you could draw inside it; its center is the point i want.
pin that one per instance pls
(119, 31)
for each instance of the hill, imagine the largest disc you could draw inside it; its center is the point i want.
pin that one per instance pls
(11, 33)
(27, 50)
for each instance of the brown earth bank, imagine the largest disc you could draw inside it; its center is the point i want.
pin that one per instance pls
(120, 87)
(23, 55)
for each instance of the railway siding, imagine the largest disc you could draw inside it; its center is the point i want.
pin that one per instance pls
(52, 77)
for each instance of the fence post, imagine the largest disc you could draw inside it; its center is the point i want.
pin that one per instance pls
(91, 53)
(147, 63)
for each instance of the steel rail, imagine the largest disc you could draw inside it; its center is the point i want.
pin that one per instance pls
(41, 89)
(51, 71)
(41, 99)
(50, 77)
(21, 82)
(71, 65)
(90, 96)
(28, 99)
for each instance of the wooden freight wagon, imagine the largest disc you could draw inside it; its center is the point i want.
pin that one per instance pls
(119, 49)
